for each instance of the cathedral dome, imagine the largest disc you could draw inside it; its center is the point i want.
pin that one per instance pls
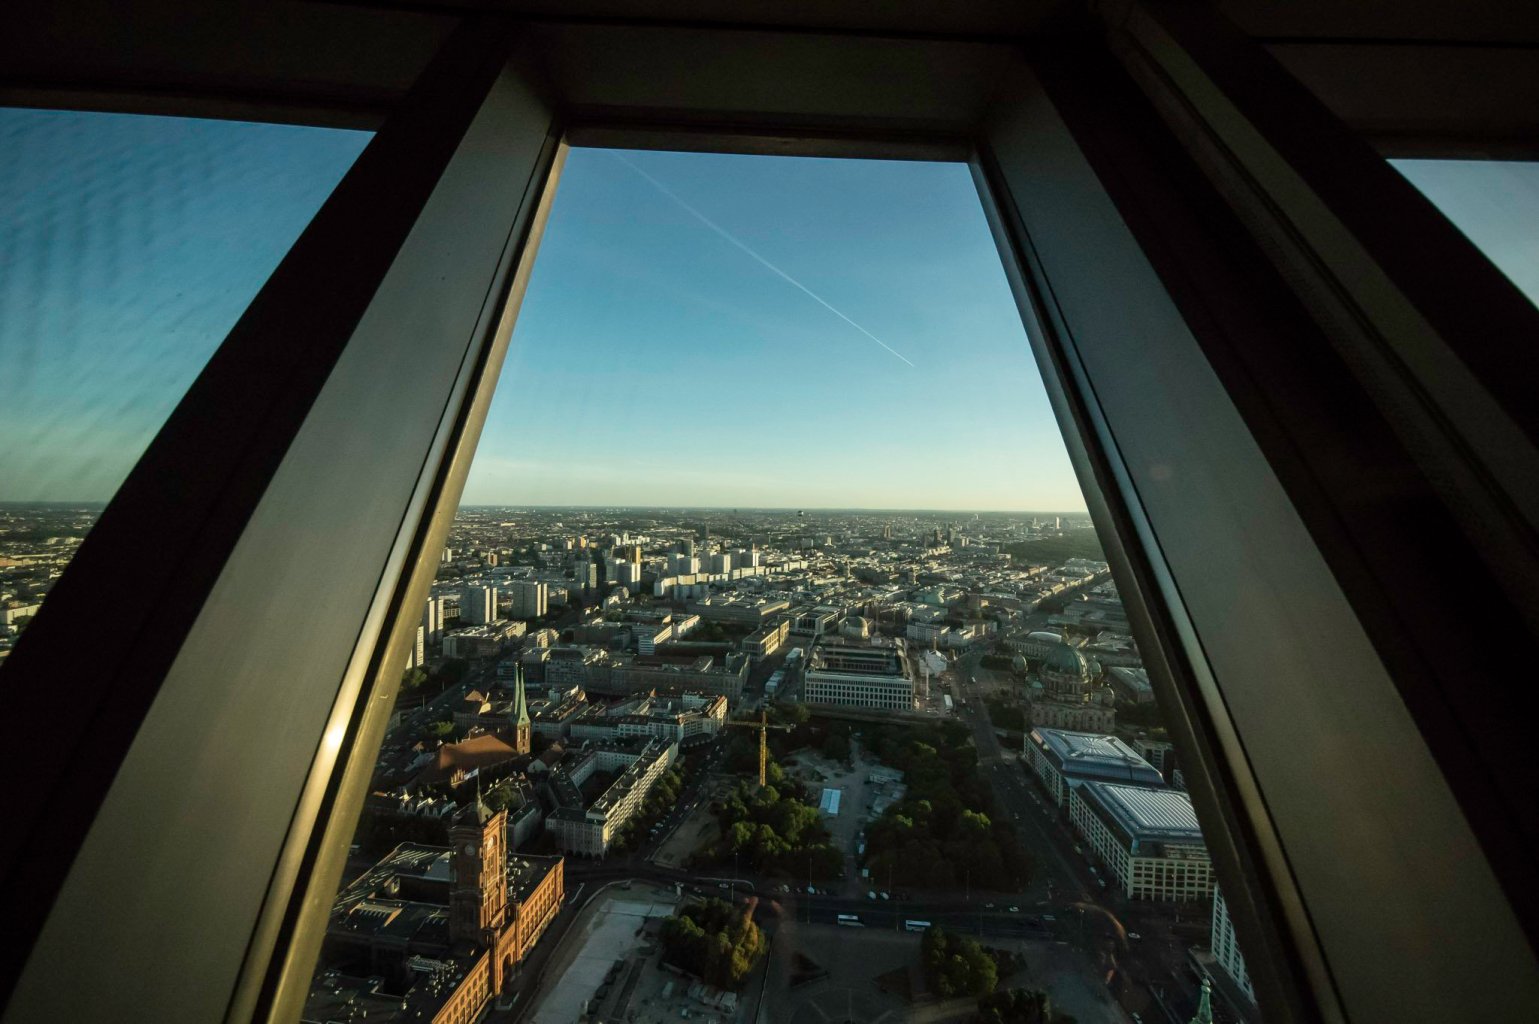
(1065, 661)
(1065, 671)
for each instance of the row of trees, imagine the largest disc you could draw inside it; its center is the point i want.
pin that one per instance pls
(943, 833)
(714, 941)
(661, 798)
(774, 832)
(1020, 1006)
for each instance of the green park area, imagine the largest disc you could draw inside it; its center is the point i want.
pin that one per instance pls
(944, 833)
(713, 940)
(955, 965)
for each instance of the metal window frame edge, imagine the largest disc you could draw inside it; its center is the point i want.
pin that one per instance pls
(1236, 823)
(299, 905)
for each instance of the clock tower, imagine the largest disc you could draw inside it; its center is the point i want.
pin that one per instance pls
(478, 903)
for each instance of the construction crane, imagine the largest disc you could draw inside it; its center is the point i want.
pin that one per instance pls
(763, 725)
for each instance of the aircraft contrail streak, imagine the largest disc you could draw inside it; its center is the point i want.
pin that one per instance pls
(724, 233)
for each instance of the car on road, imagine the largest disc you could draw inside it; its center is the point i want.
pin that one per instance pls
(988, 906)
(870, 895)
(1134, 935)
(1015, 910)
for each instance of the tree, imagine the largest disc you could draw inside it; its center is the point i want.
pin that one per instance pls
(714, 940)
(1019, 1006)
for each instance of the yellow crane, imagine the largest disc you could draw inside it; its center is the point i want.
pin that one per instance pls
(763, 725)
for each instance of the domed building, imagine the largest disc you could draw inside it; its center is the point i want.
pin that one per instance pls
(1065, 671)
(1072, 696)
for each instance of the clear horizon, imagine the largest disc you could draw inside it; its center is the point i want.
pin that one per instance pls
(716, 330)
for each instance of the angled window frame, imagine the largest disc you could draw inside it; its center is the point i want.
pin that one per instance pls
(1138, 411)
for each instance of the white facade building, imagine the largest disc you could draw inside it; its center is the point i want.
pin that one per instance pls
(593, 829)
(1063, 760)
(1225, 949)
(861, 677)
(1148, 839)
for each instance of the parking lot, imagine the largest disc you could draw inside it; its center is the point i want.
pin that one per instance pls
(696, 827)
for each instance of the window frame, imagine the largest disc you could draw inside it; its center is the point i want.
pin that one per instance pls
(581, 82)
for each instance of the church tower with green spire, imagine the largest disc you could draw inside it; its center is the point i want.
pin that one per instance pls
(1204, 1014)
(519, 719)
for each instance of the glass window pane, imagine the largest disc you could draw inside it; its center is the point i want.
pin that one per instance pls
(1495, 203)
(772, 473)
(129, 246)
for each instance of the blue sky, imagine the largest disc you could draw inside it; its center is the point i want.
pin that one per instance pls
(129, 246)
(699, 329)
(1494, 202)
(669, 353)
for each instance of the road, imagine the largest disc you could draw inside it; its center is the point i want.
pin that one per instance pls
(1063, 878)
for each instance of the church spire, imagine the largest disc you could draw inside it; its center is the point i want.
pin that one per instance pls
(1204, 1013)
(520, 702)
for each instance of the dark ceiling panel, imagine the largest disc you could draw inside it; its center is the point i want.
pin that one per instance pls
(703, 76)
(278, 60)
(1460, 21)
(969, 18)
(1415, 100)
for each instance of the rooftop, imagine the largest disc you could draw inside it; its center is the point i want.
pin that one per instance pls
(1095, 755)
(1147, 813)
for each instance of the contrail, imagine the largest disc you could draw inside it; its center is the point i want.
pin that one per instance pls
(723, 232)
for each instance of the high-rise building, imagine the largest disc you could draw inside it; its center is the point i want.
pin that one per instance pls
(721, 563)
(529, 599)
(478, 604)
(440, 608)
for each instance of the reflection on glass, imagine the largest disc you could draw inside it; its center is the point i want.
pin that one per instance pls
(774, 669)
(129, 246)
(1495, 203)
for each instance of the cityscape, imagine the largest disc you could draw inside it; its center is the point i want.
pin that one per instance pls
(739, 764)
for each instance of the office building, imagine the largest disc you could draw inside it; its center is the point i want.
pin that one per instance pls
(721, 563)
(1064, 760)
(860, 676)
(1147, 837)
(766, 640)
